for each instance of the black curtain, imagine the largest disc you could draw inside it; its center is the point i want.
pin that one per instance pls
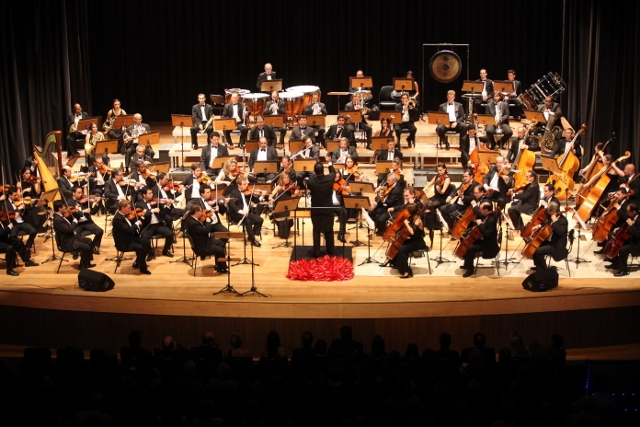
(44, 65)
(601, 57)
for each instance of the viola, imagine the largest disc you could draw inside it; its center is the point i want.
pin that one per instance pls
(519, 188)
(354, 171)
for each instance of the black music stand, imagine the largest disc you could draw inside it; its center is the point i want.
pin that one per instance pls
(286, 205)
(83, 125)
(364, 189)
(228, 235)
(244, 259)
(509, 236)
(184, 258)
(181, 120)
(474, 90)
(359, 203)
(440, 260)
(371, 226)
(271, 85)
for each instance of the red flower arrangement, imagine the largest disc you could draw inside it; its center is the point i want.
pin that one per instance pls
(324, 269)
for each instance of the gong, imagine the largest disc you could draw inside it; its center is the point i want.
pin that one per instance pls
(445, 66)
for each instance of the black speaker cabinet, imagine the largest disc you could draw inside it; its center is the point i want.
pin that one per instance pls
(94, 281)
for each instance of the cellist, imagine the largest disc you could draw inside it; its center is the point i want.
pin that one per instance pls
(414, 242)
(464, 194)
(607, 161)
(620, 203)
(631, 247)
(556, 245)
(627, 179)
(526, 201)
(488, 243)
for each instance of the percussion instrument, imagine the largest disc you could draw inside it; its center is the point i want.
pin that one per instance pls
(365, 95)
(241, 93)
(445, 66)
(293, 102)
(255, 102)
(308, 92)
(551, 84)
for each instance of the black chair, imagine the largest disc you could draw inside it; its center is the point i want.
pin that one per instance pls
(495, 264)
(217, 102)
(421, 253)
(120, 257)
(196, 255)
(61, 251)
(385, 99)
(571, 239)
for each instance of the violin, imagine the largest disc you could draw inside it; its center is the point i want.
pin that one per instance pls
(354, 171)
(71, 210)
(204, 179)
(292, 189)
(148, 174)
(134, 214)
(341, 186)
(442, 179)
(172, 186)
(33, 180)
(6, 215)
(104, 169)
(519, 188)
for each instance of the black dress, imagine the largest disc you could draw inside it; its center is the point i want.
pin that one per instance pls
(282, 219)
(415, 242)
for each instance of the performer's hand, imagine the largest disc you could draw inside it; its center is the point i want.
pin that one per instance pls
(200, 127)
(390, 210)
(630, 221)
(478, 221)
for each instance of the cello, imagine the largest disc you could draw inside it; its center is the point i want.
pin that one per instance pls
(467, 218)
(613, 246)
(540, 236)
(605, 222)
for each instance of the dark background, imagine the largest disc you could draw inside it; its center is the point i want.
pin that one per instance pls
(156, 56)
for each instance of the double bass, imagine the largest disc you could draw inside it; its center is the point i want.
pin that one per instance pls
(524, 162)
(568, 164)
(540, 236)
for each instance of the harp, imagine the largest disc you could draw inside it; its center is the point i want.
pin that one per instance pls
(49, 162)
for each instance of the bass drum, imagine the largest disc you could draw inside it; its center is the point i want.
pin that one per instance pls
(308, 92)
(240, 92)
(255, 102)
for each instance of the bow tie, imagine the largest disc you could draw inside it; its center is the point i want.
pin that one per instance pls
(78, 115)
(263, 149)
(451, 103)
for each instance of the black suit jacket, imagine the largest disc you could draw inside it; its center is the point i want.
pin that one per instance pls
(235, 204)
(529, 199)
(262, 77)
(272, 155)
(65, 187)
(384, 154)
(414, 114)
(489, 231)
(504, 111)
(347, 132)
(297, 133)
(124, 234)
(502, 186)
(71, 118)
(279, 103)
(308, 111)
(459, 110)
(200, 233)
(111, 193)
(465, 146)
(321, 188)
(350, 107)
(227, 112)
(394, 198)
(531, 142)
(65, 232)
(562, 145)
(205, 155)
(488, 87)
(312, 153)
(559, 238)
(517, 87)
(254, 134)
(555, 107)
(197, 114)
(351, 151)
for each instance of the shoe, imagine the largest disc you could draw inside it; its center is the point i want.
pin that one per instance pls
(135, 264)
(369, 147)
(447, 146)
(386, 264)
(599, 252)
(222, 270)
(31, 264)
(610, 267)
(203, 257)
(255, 243)
(341, 238)
(150, 257)
(621, 273)
(468, 273)
(89, 265)
(534, 269)
(194, 146)
(96, 251)
(12, 273)
(75, 256)
(167, 254)
(464, 267)
(406, 276)
(145, 272)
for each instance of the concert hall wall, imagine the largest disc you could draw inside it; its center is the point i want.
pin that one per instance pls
(157, 55)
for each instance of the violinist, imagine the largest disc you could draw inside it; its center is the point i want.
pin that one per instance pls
(500, 180)
(340, 189)
(19, 222)
(557, 246)
(464, 196)
(65, 184)
(525, 201)
(441, 184)
(99, 174)
(521, 142)
(141, 177)
(385, 129)
(414, 242)
(390, 154)
(488, 242)
(286, 168)
(262, 153)
(192, 183)
(30, 187)
(139, 158)
(65, 226)
(228, 175)
(114, 192)
(166, 194)
(631, 247)
(239, 209)
(126, 235)
(85, 225)
(391, 196)
(203, 235)
(351, 172)
(285, 189)
(11, 246)
(211, 208)
(620, 201)
(210, 152)
(340, 154)
(151, 225)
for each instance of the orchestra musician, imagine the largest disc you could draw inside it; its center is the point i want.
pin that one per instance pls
(389, 154)
(316, 108)
(284, 190)
(286, 168)
(267, 75)
(74, 132)
(203, 236)
(308, 152)
(488, 243)
(261, 130)
(210, 152)
(595, 159)
(67, 237)
(548, 195)
(126, 235)
(499, 179)
(92, 137)
(236, 110)
(631, 246)
(240, 209)
(357, 104)
(442, 187)
(201, 113)
(415, 92)
(30, 186)
(391, 195)
(465, 194)
(338, 131)
(212, 208)
(16, 206)
(513, 96)
(262, 153)
(151, 224)
(139, 158)
(10, 246)
(131, 137)
(65, 184)
(385, 129)
(321, 188)
(607, 161)
(191, 183)
(563, 145)
(302, 131)
(499, 109)
(141, 177)
(340, 154)
(112, 132)
(85, 224)
(456, 119)
(341, 189)
(227, 176)
(414, 242)
(550, 109)
(410, 114)
(166, 193)
(114, 192)
(626, 180)
(487, 89)
(409, 194)
(525, 201)
(620, 201)
(396, 167)
(557, 245)
(276, 107)
(99, 173)
(468, 144)
(519, 142)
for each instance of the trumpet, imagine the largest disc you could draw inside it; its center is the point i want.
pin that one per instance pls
(411, 103)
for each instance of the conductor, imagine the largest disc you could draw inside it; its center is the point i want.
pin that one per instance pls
(321, 187)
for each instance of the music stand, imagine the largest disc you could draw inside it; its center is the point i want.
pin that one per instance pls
(228, 235)
(315, 121)
(402, 84)
(305, 165)
(182, 120)
(440, 260)
(509, 236)
(224, 125)
(370, 226)
(286, 205)
(149, 139)
(123, 121)
(106, 147)
(275, 120)
(487, 156)
(360, 82)
(383, 166)
(271, 85)
(183, 258)
(332, 145)
(484, 120)
(353, 116)
(357, 202)
(161, 167)
(218, 162)
(581, 225)
(45, 199)
(504, 86)
(254, 289)
(265, 167)
(250, 145)
(83, 125)
(536, 116)
(438, 118)
(296, 145)
(338, 166)
(394, 117)
(364, 189)
(379, 142)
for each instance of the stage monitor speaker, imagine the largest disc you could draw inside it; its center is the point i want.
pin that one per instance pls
(94, 281)
(541, 281)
